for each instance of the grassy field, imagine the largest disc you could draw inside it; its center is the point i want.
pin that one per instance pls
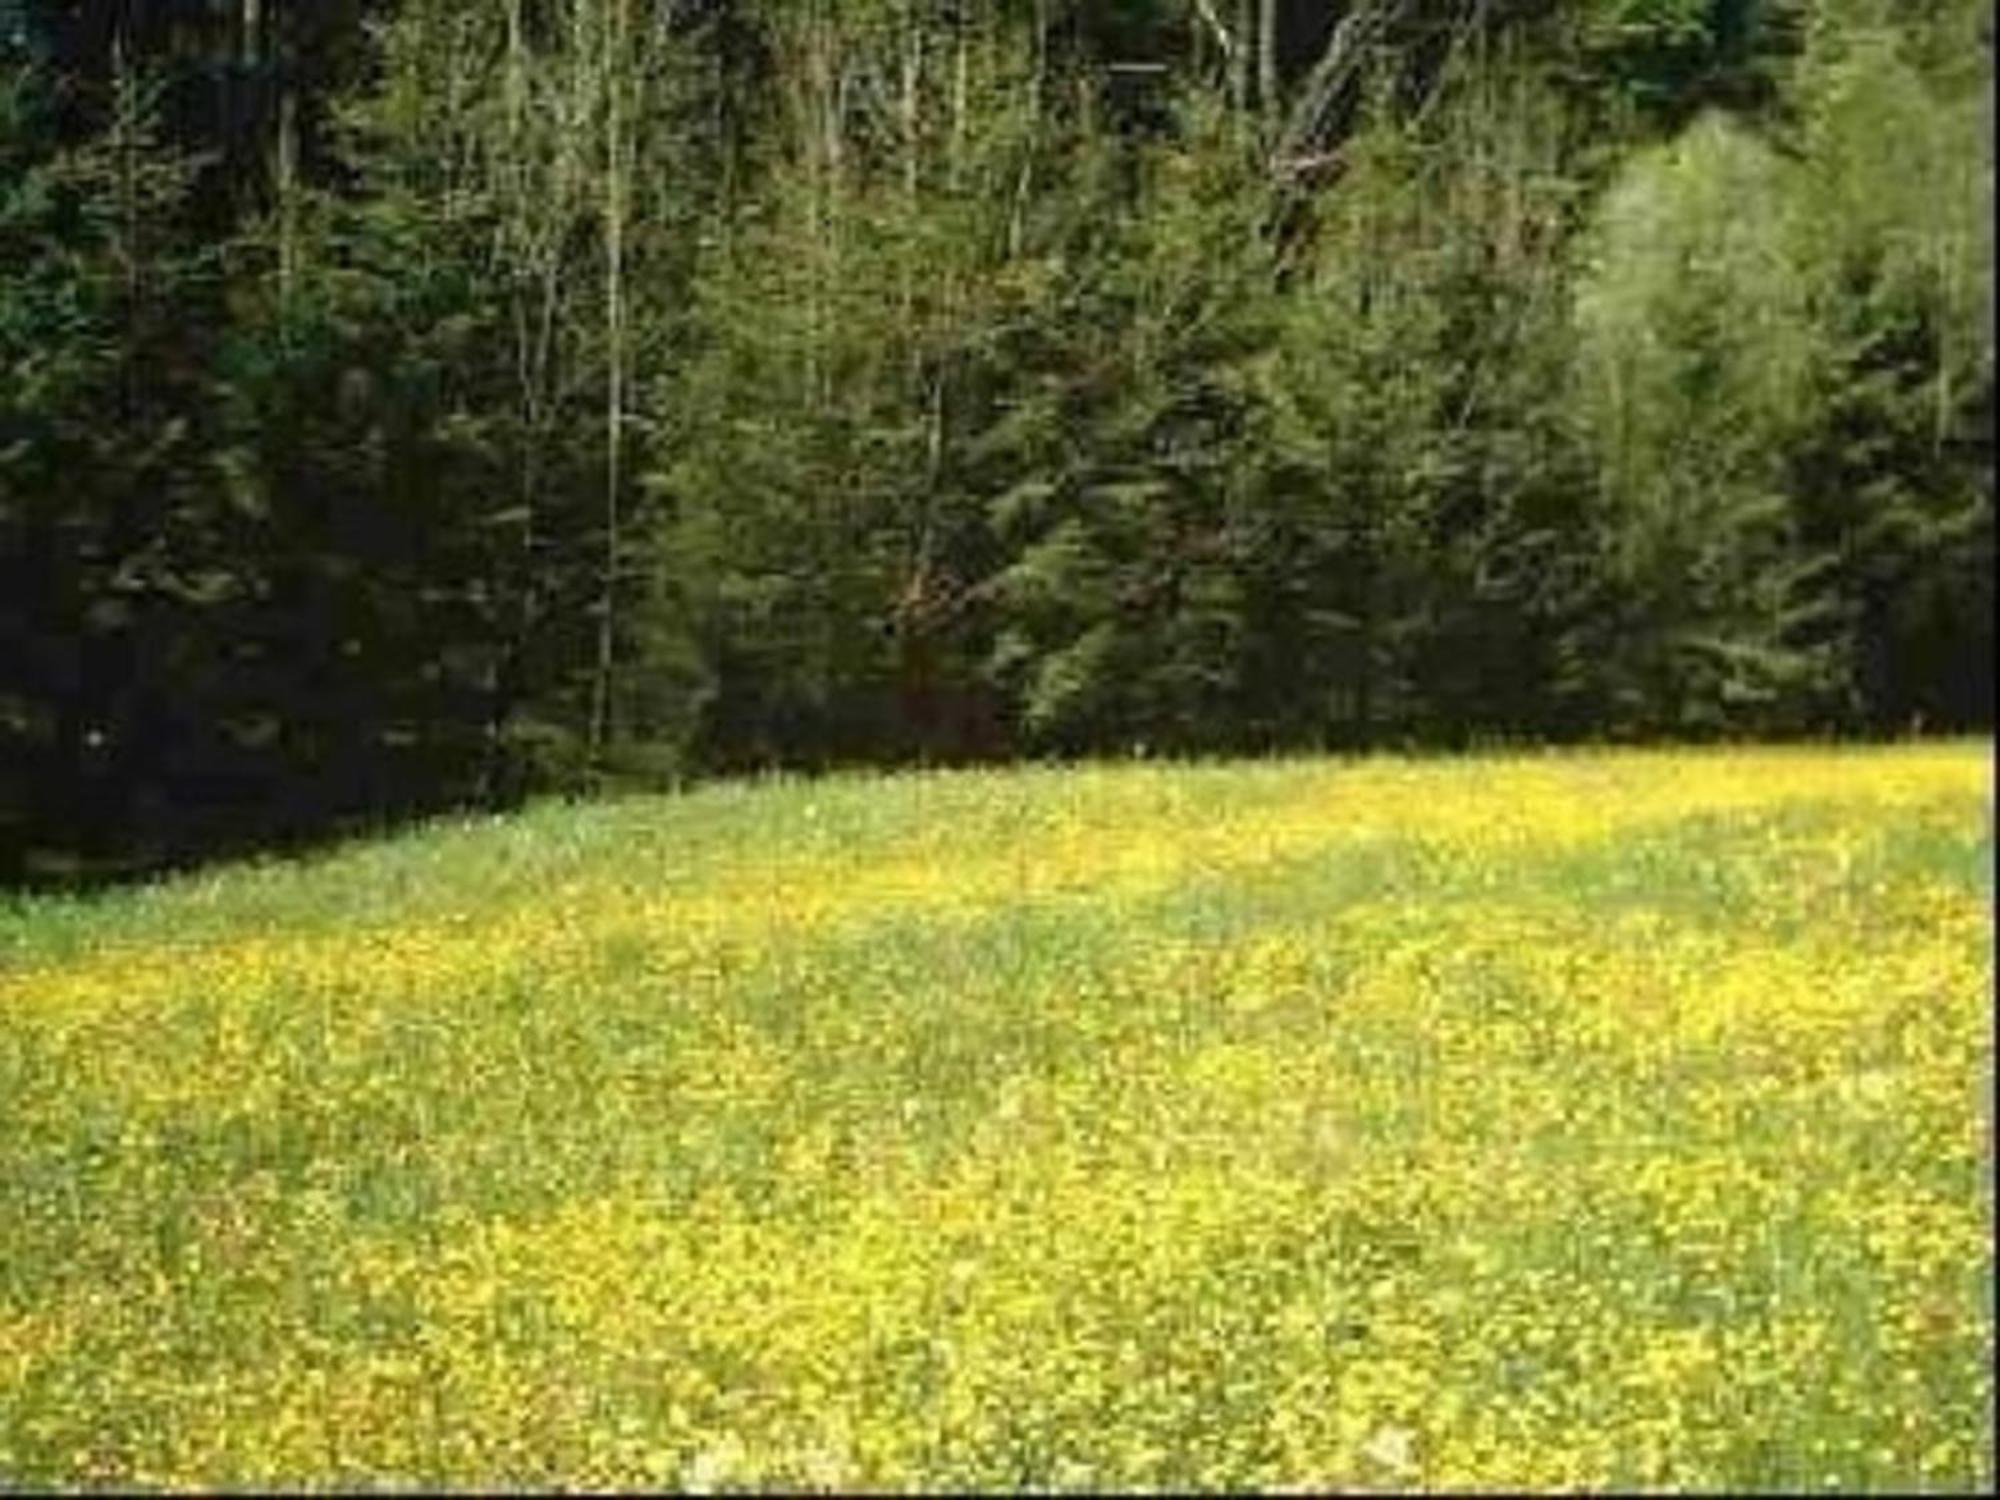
(1614, 1119)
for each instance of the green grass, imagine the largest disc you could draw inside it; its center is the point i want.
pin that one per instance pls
(1591, 1120)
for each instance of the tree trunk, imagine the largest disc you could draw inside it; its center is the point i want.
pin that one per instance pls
(1267, 58)
(1025, 181)
(531, 340)
(1239, 60)
(616, 67)
(287, 191)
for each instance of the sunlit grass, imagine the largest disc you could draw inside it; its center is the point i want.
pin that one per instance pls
(1591, 1120)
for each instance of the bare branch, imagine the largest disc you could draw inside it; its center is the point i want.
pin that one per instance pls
(1330, 76)
(1207, 12)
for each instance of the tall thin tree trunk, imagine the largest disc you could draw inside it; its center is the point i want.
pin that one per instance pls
(817, 146)
(516, 81)
(1239, 63)
(913, 63)
(961, 88)
(287, 190)
(1036, 83)
(616, 68)
(913, 66)
(503, 669)
(1267, 58)
(126, 126)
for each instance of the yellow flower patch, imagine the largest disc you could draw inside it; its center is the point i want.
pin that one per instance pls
(1587, 1121)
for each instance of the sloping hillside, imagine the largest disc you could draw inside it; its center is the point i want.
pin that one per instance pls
(1588, 1120)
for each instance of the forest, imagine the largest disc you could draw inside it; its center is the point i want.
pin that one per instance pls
(409, 405)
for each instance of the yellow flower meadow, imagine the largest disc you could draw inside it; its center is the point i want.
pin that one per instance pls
(1611, 1119)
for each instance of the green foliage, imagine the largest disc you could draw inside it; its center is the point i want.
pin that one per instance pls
(1893, 224)
(1122, 594)
(115, 558)
(1694, 349)
(558, 393)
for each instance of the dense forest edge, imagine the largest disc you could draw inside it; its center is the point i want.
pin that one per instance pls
(410, 405)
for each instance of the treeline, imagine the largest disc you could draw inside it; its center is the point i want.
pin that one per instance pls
(406, 405)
